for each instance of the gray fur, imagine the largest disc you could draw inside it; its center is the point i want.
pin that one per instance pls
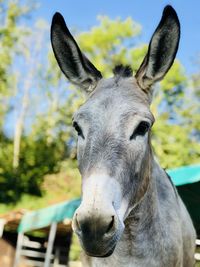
(131, 214)
(158, 231)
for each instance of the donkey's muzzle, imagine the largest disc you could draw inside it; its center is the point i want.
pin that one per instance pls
(96, 221)
(98, 234)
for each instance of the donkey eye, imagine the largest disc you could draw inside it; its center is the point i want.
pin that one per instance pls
(141, 129)
(78, 129)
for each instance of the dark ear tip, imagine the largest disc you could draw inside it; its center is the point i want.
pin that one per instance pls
(169, 11)
(57, 18)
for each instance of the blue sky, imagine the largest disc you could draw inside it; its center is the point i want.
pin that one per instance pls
(82, 15)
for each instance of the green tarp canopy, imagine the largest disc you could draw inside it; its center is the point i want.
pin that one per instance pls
(186, 179)
(44, 217)
(185, 175)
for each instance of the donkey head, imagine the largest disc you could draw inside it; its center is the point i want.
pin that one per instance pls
(113, 126)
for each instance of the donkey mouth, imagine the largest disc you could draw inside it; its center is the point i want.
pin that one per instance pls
(98, 253)
(100, 248)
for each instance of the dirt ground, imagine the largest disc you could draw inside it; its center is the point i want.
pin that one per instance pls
(75, 264)
(7, 253)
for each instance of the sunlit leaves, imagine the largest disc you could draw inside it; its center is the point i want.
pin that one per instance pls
(106, 45)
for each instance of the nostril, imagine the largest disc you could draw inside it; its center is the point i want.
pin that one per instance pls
(111, 224)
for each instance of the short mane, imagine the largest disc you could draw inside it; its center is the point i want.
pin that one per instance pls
(123, 71)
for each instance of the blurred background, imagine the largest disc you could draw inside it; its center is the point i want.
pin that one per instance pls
(37, 143)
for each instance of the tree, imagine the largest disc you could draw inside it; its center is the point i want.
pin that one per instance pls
(15, 46)
(32, 47)
(10, 34)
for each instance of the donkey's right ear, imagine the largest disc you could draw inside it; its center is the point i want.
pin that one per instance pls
(73, 63)
(161, 52)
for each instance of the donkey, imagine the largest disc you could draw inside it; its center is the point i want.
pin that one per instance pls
(131, 214)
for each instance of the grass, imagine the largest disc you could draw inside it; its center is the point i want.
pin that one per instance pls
(56, 188)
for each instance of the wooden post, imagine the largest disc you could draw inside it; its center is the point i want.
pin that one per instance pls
(51, 239)
(20, 239)
(2, 223)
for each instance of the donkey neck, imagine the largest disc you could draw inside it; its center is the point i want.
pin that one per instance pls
(141, 222)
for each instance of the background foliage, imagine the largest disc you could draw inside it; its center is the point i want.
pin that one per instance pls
(37, 142)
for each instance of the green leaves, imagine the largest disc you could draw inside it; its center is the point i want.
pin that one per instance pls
(105, 44)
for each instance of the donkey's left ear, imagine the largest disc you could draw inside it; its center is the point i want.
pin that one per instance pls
(73, 63)
(162, 50)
